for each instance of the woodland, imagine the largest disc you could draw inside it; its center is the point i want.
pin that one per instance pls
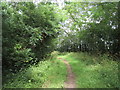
(36, 35)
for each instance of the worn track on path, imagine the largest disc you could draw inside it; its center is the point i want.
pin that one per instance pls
(70, 83)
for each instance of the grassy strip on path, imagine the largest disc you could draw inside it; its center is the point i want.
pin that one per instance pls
(93, 71)
(47, 74)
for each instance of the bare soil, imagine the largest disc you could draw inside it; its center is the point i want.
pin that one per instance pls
(70, 83)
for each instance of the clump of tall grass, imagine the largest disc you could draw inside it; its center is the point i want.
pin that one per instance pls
(54, 54)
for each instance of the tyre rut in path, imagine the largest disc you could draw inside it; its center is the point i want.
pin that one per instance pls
(70, 83)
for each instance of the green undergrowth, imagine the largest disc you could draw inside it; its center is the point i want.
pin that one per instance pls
(93, 71)
(47, 74)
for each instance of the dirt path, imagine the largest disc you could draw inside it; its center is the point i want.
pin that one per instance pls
(70, 83)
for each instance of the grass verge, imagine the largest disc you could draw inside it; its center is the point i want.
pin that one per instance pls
(93, 71)
(47, 74)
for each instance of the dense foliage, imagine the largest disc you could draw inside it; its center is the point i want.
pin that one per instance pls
(31, 31)
(28, 32)
(91, 27)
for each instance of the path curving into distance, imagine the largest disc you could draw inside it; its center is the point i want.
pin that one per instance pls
(70, 83)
